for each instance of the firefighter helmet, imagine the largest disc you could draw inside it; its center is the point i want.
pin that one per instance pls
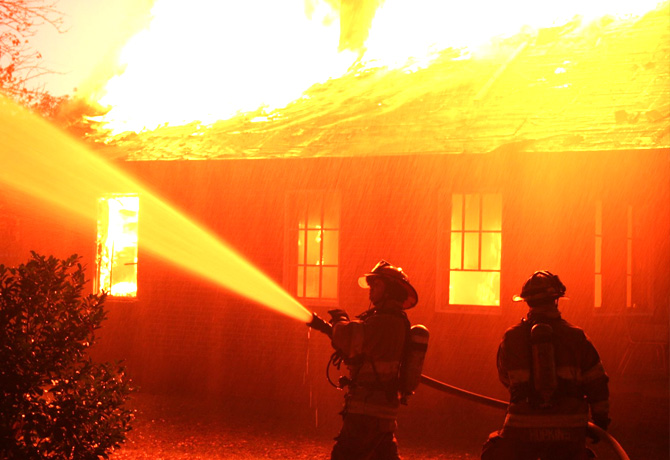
(396, 275)
(542, 285)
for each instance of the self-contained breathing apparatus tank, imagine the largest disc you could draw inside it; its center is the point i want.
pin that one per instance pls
(544, 366)
(412, 363)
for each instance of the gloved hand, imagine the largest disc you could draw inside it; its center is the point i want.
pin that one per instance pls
(337, 315)
(321, 325)
(601, 421)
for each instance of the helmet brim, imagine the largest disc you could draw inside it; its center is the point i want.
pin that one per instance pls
(363, 281)
(412, 296)
(518, 298)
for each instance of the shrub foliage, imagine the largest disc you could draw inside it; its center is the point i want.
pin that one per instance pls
(55, 402)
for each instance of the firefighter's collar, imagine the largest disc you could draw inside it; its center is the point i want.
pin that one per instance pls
(385, 306)
(389, 304)
(543, 312)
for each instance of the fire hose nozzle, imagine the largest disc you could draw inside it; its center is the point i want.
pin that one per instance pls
(321, 325)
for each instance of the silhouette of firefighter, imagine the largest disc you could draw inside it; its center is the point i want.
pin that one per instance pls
(554, 375)
(384, 357)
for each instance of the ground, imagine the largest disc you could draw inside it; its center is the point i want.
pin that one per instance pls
(176, 429)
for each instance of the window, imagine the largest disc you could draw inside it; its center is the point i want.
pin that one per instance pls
(622, 260)
(313, 221)
(475, 249)
(646, 266)
(629, 257)
(598, 294)
(117, 245)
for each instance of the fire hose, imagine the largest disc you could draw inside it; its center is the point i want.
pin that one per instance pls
(594, 432)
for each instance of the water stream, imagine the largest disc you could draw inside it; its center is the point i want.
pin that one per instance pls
(40, 160)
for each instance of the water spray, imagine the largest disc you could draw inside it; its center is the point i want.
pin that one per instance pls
(45, 163)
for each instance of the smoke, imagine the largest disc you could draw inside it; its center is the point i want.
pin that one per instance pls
(355, 22)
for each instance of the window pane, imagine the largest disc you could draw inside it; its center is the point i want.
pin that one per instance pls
(331, 215)
(123, 275)
(315, 215)
(301, 282)
(474, 288)
(330, 247)
(492, 212)
(329, 288)
(301, 247)
(456, 241)
(491, 251)
(598, 289)
(312, 283)
(313, 247)
(456, 212)
(471, 259)
(309, 213)
(472, 212)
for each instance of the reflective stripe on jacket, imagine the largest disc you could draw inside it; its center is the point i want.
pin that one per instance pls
(582, 381)
(373, 349)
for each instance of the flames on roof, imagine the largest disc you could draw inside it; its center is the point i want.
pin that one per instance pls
(580, 85)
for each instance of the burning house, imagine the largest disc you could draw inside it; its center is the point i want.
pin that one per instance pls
(551, 151)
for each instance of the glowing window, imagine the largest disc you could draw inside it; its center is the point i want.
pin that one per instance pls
(629, 258)
(475, 249)
(117, 245)
(313, 221)
(598, 291)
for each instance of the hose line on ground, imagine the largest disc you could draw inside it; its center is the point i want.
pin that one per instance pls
(594, 431)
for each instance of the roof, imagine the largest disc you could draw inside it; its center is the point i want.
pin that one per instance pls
(579, 87)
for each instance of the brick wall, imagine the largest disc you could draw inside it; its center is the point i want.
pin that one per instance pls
(185, 334)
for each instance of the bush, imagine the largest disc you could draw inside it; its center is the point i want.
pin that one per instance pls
(55, 402)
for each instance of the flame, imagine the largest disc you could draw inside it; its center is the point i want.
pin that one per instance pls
(214, 59)
(117, 245)
(416, 30)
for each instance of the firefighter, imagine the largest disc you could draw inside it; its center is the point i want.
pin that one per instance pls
(372, 348)
(554, 376)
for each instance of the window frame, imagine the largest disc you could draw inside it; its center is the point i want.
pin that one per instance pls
(444, 270)
(305, 199)
(622, 239)
(97, 284)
